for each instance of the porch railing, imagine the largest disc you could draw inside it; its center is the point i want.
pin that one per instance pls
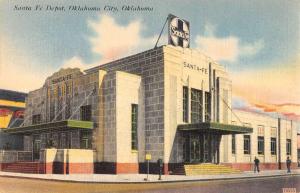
(9, 156)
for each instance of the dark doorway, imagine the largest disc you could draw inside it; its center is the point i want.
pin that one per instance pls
(201, 148)
(36, 147)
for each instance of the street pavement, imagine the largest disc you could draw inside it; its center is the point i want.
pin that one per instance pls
(140, 178)
(243, 185)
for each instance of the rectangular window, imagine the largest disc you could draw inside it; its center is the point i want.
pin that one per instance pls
(49, 93)
(134, 126)
(63, 90)
(54, 92)
(68, 108)
(247, 146)
(59, 110)
(52, 110)
(36, 119)
(52, 104)
(260, 145)
(260, 130)
(86, 113)
(196, 106)
(58, 92)
(273, 146)
(288, 146)
(207, 106)
(233, 144)
(69, 89)
(185, 104)
(85, 140)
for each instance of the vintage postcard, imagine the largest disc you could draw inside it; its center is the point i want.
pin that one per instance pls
(149, 96)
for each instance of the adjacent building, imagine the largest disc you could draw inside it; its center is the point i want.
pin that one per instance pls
(12, 105)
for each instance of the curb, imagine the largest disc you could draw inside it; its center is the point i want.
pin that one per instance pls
(152, 182)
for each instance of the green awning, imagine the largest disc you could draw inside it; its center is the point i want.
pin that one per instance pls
(59, 125)
(215, 127)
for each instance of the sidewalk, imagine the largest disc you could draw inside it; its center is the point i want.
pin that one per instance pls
(139, 178)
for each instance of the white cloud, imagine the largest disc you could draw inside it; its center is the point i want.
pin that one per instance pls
(113, 40)
(225, 48)
(252, 49)
(20, 72)
(209, 29)
(219, 48)
(76, 62)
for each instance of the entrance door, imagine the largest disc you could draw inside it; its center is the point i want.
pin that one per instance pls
(36, 149)
(201, 148)
(206, 148)
(215, 148)
(195, 149)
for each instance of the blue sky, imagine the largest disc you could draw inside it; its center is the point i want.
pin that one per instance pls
(276, 22)
(253, 36)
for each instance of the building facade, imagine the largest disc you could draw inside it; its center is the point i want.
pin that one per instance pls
(12, 105)
(171, 102)
(298, 148)
(272, 141)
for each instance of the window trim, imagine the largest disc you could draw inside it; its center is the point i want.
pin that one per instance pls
(233, 144)
(261, 139)
(248, 150)
(273, 152)
(288, 147)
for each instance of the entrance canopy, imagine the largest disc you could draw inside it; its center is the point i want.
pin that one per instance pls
(66, 124)
(214, 127)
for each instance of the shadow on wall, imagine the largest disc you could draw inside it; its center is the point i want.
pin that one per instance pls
(10, 142)
(69, 161)
(59, 165)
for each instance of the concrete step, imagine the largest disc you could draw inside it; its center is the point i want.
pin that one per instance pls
(204, 169)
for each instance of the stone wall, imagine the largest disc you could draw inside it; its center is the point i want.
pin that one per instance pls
(109, 96)
(148, 65)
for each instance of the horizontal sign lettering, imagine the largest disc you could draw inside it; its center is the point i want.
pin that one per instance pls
(195, 67)
(62, 78)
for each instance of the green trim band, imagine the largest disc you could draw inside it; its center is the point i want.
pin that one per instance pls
(219, 127)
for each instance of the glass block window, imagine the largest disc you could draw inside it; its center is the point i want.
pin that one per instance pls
(134, 126)
(185, 104)
(196, 106)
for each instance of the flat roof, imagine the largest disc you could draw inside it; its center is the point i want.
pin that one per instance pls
(68, 124)
(129, 58)
(12, 95)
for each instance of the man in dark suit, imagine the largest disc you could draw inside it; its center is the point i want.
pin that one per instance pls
(256, 165)
(288, 164)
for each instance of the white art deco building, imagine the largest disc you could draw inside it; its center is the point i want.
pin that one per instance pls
(171, 102)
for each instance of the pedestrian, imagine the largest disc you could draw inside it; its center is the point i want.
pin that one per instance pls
(256, 165)
(288, 164)
(160, 167)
